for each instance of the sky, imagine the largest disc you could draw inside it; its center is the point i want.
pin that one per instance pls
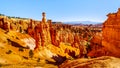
(60, 10)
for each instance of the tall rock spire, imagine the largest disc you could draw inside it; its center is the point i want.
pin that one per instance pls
(44, 17)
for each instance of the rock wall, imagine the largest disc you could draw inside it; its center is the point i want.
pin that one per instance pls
(111, 33)
(109, 43)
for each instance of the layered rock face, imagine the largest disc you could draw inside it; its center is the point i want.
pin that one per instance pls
(109, 43)
(111, 33)
(13, 24)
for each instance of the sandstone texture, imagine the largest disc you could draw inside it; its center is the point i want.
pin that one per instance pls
(111, 33)
(100, 62)
(107, 44)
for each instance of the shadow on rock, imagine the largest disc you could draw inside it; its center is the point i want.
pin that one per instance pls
(59, 60)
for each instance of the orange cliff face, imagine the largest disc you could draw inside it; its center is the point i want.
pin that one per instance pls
(109, 43)
(111, 33)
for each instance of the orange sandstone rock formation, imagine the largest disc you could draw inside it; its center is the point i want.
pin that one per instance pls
(111, 33)
(45, 33)
(96, 48)
(109, 43)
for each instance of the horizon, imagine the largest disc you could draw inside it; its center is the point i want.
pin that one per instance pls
(60, 11)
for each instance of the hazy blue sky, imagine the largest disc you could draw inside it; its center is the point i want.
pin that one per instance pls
(60, 10)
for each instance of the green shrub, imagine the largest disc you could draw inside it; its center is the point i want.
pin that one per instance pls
(21, 49)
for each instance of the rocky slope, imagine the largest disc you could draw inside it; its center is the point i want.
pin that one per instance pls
(45, 33)
(24, 42)
(16, 47)
(100, 62)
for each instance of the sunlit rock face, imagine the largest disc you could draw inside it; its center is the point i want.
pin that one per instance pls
(109, 43)
(45, 32)
(96, 48)
(5, 23)
(24, 40)
(30, 42)
(111, 33)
